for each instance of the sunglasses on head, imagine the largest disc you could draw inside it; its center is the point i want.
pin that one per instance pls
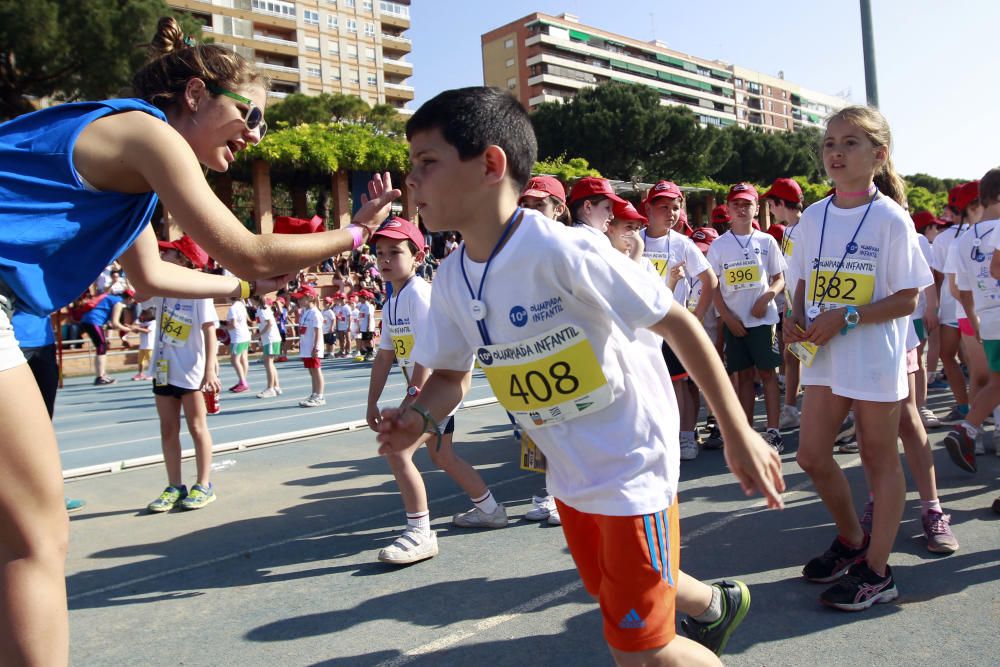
(253, 117)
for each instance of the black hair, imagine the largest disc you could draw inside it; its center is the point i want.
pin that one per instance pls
(574, 208)
(472, 119)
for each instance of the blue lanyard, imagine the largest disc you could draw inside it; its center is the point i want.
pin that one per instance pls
(478, 295)
(388, 302)
(850, 248)
(744, 248)
(976, 255)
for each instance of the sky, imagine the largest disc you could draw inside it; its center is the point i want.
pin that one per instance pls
(935, 61)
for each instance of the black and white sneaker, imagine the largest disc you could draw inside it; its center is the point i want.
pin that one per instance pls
(847, 430)
(834, 562)
(735, 605)
(773, 438)
(860, 588)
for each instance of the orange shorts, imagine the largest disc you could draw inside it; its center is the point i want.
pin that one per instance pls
(630, 564)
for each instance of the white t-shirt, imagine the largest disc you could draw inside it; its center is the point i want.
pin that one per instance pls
(972, 273)
(329, 320)
(745, 266)
(869, 362)
(310, 326)
(240, 331)
(355, 316)
(179, 339)
(562, 309)
(403, 316)
(949, 309)
(365, 312)
(925, 248)
(343, 315)
(146, 338)
(268, 336)
(791, 277)
(667, 251)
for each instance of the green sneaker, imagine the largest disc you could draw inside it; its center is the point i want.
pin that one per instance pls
(74, 504)
(198, 497)
(168, 499)
(735, 605)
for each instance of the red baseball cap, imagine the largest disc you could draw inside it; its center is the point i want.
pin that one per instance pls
(626, 211)
(399, 228)
(720, 215)
(327, 299)
(924, 219)
(186, 246)
(742, 191)
(785, 189)
(777, 230)
(703, 237)
(960, 196)
(544, 186)
(588, 186)
(306, 290)
(663, 189)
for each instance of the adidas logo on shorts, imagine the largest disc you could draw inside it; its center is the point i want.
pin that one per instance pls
(632, 621)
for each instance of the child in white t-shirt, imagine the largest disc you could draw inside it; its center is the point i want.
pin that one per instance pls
(270, 343)
(354, 337)
(185, 365)
(860, 272)
(366, 325)
(342, 313)
(329, 325)
(146, 327)
(557, 346)
(311, 344)
(238, 324)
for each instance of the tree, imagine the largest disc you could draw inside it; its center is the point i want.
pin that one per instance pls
(565, 170)
(84, 49)
(328, 147)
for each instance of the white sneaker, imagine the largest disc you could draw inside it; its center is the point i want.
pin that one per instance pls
(689, 450)
(277, 390)
(554, 519)
(789, 417)
(412, 546)
(980, 446)
(477, 518)
(929, 419)
(267, 393)
(544, 506)
(312, 402)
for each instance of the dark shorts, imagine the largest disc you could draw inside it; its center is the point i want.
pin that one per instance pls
(759, 348)
(367, 335)
(171, 390)
(918, 325)
(44, 366)
(329, 338)
(96, 335)
(674, 365)
(450, 426)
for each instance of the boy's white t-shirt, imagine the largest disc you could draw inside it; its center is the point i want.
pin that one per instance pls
(404, 317)
(667, 251)
(869, 362)
(745, 275)
(928, 253)
(179, 339)
(146, 338)
(310, 326)
(355, 316)
(949, 309)
(272, 335)
(562, 309)
(972, 273)
(329, 320)
(365, 312)
(240, 333)
(343, 315)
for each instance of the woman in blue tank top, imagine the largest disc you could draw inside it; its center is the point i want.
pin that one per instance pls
(78, 184)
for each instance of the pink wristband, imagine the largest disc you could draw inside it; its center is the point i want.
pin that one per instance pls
(358, 234)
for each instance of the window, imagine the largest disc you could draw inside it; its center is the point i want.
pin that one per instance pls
(352, 25)
(313, 70)
(353, 74)
(349, 3)
(335, 74)
(372, 80)
(333, 47)
(508, 44)
(510, 62)
(369, 53)
(274, 7)
(370, 29)
(352, 51)
(512, 83)
(312, 44)
(332, 21)
(368, 5)
(394, 8)
(310, 17)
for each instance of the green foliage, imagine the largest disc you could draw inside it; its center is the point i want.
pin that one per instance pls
(325, 107)
(565, 170)
(84, 49)
(329, 147)
(812, 192)
(920, 198)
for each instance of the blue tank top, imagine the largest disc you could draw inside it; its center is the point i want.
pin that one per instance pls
(101, 313)
(32, 330)
(56, 236)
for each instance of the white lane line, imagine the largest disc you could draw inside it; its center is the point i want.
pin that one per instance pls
(536, 602)
(329, 531)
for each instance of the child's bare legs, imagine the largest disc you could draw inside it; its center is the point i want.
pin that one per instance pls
(919, 457)
(467, 478)
(34, 624)
(318, 383)
(919, 390)
(791, 378)
(237, 361)
(197, 423)
(745, 391)
(949, 341)
(879, 426)
(979, 372)
(411, 484)
(681, 652)
(772, 396)
(271, 371)
(822, 414)
(168, 409)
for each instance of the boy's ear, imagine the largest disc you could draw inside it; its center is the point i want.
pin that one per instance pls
(495, 161)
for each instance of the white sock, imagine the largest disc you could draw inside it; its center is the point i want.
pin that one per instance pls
(970, 429)
(419, 520)
(687, 436)
(487, 503)
(928, 505)
(714, 610)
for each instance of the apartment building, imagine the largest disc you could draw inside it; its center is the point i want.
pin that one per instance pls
(544, 58)
(354, 47)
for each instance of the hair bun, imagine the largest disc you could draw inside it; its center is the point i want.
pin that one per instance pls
(169, 37)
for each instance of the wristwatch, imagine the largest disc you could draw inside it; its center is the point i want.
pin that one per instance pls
(852, 318)
(412, 391)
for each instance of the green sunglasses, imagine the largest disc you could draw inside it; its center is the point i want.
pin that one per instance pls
(253, 117)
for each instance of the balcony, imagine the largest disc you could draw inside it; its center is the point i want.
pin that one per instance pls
(276, 40)
(280, 72)
(400, 67)
(396, 43)
(277, 94)
(397, 91)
